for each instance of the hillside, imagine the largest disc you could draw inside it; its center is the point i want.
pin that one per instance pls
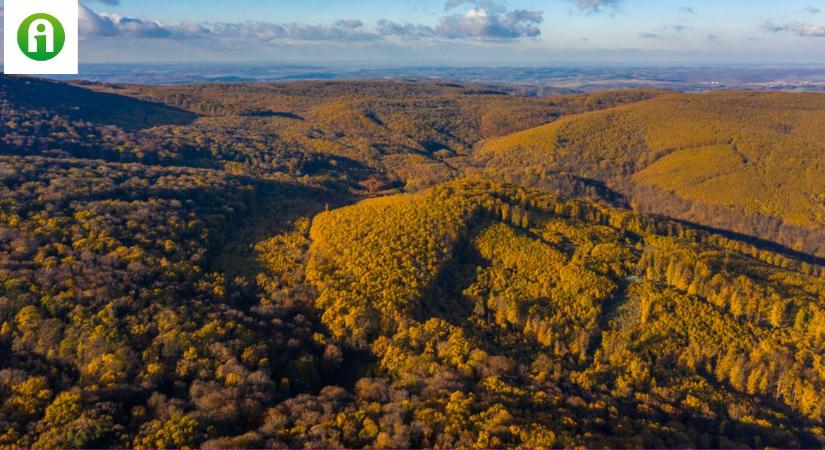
(504, 313)
(415, 134)
(76, 103)
(385, 264)
(744, 162)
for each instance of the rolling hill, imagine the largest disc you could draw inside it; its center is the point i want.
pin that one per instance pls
(415, 133)
(748, 162)
(77, 103)
(531, 310)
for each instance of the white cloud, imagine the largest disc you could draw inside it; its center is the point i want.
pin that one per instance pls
(484, 20)
(596, 6)
(405, 30)
(107, 25)
(483, 24)
(92, 24)
(801, 29)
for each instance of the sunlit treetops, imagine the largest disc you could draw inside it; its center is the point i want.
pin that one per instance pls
(747, 162)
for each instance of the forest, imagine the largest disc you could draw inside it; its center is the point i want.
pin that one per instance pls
(398, 264)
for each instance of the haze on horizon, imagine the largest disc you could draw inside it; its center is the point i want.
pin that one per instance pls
(453, 32)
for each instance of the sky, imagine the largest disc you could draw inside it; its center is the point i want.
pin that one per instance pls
(454, 32)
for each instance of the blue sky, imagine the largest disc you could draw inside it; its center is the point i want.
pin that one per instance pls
(457, 32)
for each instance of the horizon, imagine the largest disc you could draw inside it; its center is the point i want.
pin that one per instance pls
(537, 80)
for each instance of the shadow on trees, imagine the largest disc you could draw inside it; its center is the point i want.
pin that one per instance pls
(270, 113)
(616, 198)
(762, 244)
(78, 103)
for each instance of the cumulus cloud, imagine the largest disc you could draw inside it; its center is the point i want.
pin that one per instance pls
(349, 24)
(492, 6)
(596, 6)
(127, 26)
(93, 24)
(798, 28)
(405, 30)
(482, 24)
(485, 20)
(267, 32)
(664, 32)
(480, 20)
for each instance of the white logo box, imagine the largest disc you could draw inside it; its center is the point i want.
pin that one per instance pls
(17, 63)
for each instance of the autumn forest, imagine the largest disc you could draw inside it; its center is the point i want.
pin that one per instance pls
(401, 264)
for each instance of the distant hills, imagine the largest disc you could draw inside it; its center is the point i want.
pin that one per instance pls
(558, 78)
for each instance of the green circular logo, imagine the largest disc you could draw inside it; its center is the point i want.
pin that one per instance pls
(41, 37)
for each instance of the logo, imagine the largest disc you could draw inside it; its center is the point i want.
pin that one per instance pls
(41, 37)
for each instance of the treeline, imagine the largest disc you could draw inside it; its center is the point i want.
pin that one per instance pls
(800, 239)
